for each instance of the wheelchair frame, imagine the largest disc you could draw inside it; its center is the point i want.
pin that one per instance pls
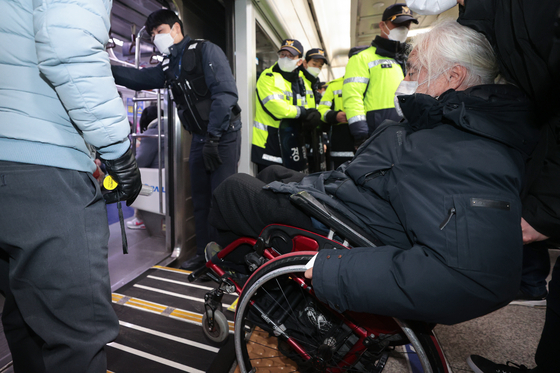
(267, 263)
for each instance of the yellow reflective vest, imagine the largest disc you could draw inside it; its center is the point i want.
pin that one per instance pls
(332, 99)
(276, 100)
(370, 82)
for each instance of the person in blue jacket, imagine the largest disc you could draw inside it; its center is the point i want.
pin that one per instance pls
(197, 70)
(59, 105)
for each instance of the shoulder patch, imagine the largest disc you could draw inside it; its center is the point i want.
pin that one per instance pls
(386, 65)
(269, 74)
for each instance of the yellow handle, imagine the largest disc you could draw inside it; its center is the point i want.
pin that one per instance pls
(109, 183)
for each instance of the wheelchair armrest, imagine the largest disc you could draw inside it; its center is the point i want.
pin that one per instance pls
(311, 206)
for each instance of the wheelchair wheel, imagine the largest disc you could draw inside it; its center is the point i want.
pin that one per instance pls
(278, 323)
(219, 331)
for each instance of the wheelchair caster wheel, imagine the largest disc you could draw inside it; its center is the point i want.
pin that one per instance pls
(219, 331)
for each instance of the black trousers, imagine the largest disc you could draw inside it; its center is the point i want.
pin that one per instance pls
(548, 351)
(53, 269)
(203, 183)
(242, 208)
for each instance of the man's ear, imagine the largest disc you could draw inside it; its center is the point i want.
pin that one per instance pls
(301, 60)
(382, 29)
(457, 76)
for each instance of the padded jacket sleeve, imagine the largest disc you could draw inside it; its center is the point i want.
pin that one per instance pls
(70, 38)
(356, 79)
(139, 79)
(223, 89)
(326, 104)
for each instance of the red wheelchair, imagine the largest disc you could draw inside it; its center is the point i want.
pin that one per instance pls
(280, 322)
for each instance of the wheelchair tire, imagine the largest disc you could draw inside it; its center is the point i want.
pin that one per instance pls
(260, 346)
(220, 331)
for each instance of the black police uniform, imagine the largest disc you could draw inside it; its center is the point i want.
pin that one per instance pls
(224, 122)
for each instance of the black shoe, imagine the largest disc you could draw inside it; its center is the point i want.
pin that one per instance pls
(194, 263)
(524, 299)
(481, 365)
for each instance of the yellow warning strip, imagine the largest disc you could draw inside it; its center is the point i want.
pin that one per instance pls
(176, 313)
(178, 270)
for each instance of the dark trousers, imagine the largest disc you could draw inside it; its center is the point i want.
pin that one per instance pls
(548, 351)
(536, 267)
(53, 269)
(203, 183)
(242, 208)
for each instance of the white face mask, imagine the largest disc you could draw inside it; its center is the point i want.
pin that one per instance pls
(397, 34)
(287, 64)
(430, 7)
(314, 71)
(404, 89)
(163, 42)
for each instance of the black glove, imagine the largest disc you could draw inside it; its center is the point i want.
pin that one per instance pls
(211, 154)
(126, 174)
(311, 120)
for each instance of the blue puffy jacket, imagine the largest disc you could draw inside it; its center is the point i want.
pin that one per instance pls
(58, 99)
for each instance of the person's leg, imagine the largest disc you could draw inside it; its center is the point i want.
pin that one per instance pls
(536, 267)
(201, 194)
(54, 228)
(241, 207)
(547, 356)
(279, 173)
(25, 345)
(230, 152)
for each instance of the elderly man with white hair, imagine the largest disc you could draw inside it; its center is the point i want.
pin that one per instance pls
(439, 190)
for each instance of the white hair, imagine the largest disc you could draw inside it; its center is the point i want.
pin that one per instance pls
(450, 43)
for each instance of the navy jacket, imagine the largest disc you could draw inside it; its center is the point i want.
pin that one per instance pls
(217, 74)
(441, 191)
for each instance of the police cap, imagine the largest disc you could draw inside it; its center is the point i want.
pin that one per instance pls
(293, 46)
(316, 54)
(398, 13)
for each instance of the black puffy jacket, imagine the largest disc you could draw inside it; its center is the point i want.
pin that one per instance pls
(441, 191)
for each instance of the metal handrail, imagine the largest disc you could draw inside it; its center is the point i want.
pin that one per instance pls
(135, 101)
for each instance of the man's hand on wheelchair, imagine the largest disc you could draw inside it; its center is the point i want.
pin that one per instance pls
(309, 273)
(530, 234)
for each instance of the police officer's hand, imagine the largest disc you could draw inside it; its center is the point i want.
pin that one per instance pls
(211, 154)
(311, 120)
(126, 174)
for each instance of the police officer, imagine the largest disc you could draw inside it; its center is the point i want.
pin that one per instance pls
(373, 75)
(315, 142)
(196, 71)
(282, 93)
(331, 107)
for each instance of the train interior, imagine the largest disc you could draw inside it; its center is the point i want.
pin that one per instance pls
(159, 310)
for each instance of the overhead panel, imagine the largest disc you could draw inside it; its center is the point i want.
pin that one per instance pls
(333, 18)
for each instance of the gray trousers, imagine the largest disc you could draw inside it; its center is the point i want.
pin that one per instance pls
(53, 269)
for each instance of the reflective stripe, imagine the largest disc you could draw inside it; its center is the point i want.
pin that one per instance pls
(309, 92)
(337, 92)
(272, 97)
(272, 158)
(342, 154)
(357, 118)
(357, 79)
(379, 62)
(325, 115)
(288, 94)
(260, 126)
(298, 111)
(326, 103)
